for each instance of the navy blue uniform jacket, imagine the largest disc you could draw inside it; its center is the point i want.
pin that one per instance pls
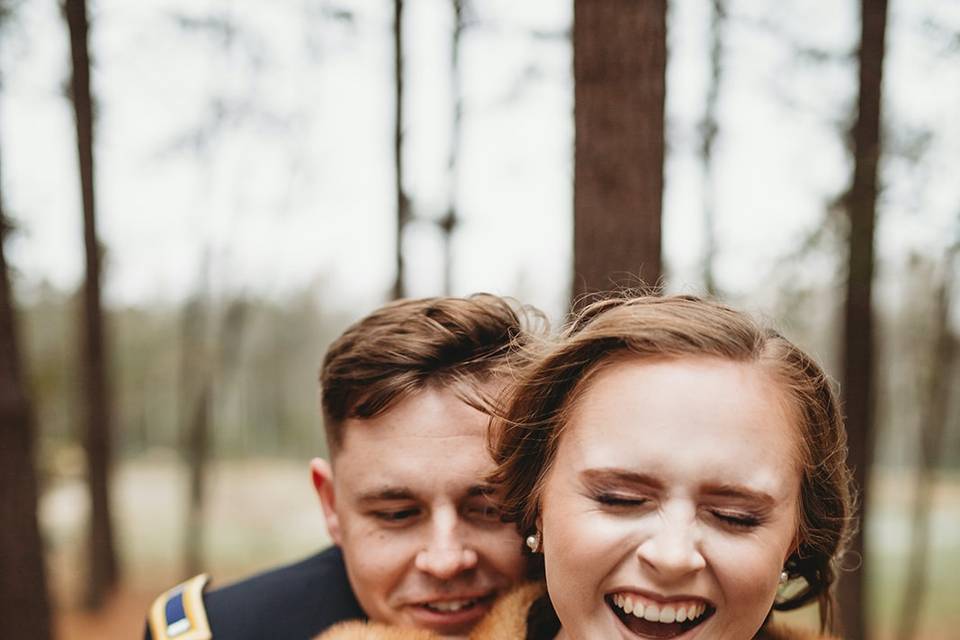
(295, 602)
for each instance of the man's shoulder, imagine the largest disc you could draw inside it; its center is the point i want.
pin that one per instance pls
(294, 601)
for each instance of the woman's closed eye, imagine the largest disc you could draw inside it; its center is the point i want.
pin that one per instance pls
(620, 500)
(737, 519)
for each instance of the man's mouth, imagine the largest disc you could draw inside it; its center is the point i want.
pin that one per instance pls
(451, 615)
(651, 619)
(448, 606)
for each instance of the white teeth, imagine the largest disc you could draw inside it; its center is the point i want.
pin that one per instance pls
(449, 605)
(655, 613)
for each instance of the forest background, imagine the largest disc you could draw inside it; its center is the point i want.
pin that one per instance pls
(196, 197)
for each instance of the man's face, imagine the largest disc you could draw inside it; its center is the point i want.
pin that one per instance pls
(407, 503)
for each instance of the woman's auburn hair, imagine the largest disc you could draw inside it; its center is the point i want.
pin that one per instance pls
(526, 434)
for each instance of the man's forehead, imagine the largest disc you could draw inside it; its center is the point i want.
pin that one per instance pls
(430, 413)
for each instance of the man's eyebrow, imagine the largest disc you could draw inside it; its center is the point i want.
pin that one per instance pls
(383, 494)
(386, 493)
(481, 490)
(609, 477)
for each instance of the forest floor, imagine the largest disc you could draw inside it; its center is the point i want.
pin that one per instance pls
(263, 512)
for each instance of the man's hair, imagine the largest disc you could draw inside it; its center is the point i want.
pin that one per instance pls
(408, 345)
(526, 437)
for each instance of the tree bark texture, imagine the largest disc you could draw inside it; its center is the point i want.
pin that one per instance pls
(24, 600)
(403, 202)
(619, 62)
(858, 357)
(98, 432)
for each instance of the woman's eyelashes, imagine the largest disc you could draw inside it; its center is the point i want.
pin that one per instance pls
(623, 502)
(737, 520)
(611, 499)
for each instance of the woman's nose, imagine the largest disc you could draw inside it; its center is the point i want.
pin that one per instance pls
(673, 549)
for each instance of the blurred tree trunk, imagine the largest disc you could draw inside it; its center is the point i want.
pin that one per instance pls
(103, 559)
(938, 391)
(403, 202)
(708, 131)
(24, 603)
(195, 387)
(202, 369)
(619, 68)
(449, 221)
(858, 357)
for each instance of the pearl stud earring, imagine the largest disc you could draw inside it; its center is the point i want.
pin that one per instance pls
(533, 542)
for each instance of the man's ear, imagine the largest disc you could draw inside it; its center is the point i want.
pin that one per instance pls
(322, 474)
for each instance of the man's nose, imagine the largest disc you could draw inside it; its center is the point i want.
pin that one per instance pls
(446, 554)
(672, 550)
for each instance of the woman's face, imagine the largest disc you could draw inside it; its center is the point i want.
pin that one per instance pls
(671, 506)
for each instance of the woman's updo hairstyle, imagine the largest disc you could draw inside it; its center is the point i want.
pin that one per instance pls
(525, 438)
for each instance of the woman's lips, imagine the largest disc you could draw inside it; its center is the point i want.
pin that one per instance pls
(652, 618)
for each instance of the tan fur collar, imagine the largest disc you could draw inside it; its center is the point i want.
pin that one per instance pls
(508, 621)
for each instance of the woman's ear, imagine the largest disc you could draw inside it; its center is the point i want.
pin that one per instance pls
(794, 548)
(322, 474)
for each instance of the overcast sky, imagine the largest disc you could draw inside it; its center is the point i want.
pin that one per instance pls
(271, 150)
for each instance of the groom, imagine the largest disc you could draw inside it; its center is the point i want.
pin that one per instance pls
(418, 540)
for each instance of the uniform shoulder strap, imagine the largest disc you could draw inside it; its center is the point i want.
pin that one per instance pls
(179, 614)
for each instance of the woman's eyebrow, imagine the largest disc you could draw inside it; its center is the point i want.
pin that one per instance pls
(739, 492)
(612, 476)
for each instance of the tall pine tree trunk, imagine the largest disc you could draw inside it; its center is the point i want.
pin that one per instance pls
(449, 221)
(937, 392)
(195, 398)
(403, 202)
(619, 63)
(98, 432)
(858, 358)
(708, 131)
(24, 602)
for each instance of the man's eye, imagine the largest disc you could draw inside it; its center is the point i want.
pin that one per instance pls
(398, 515)
(618, 500)
(487, 512)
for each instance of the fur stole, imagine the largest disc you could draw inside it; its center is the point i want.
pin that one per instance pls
(508, 621)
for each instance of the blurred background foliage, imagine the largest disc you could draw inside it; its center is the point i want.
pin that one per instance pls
(255, 195)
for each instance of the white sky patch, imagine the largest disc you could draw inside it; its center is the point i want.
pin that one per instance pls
(271, 149)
